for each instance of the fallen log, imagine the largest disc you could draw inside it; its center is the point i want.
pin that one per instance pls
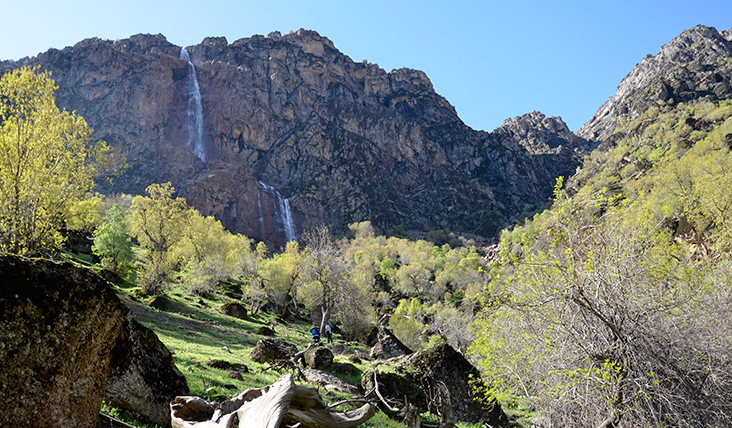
(269, 407)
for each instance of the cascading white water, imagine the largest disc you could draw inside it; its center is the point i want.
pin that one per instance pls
(282, 212)
(194, 112)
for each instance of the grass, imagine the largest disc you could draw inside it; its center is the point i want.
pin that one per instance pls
(195, 331)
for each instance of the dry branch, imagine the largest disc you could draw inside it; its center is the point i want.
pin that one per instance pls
(268, 407)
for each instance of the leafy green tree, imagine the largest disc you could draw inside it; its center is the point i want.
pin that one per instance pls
(86, 214)
(281, 275)
(600, 319)
(209, 253)
(113, 245)
(47, 162)
(157, 222)
(407, 323)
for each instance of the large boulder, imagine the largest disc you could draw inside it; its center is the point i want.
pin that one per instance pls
(329, 382)
(271, 350)
(58, 324)
(143, 378)
(318, 357)
(235, 310)
(450, 380)
(439, 380)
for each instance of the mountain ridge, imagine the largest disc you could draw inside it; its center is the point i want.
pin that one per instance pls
(342, 141)
(696, 64)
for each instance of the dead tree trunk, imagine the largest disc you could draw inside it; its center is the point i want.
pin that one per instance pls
(268, 407)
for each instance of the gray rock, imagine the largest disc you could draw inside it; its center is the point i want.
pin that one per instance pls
(297, 114)
(345, 369)
(266, 331)
(444, 372)
(389, 346)
(318, 357)
(692, 66)
(235, 310)
(271, 350)
(58, 324)
(329, 381)
(226, 365)
(143, 378)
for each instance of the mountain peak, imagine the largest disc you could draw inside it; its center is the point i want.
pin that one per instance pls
(694, 65)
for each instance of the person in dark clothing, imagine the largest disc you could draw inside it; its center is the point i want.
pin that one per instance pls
(316, 334)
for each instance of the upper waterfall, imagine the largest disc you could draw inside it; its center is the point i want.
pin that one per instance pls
(194, 110)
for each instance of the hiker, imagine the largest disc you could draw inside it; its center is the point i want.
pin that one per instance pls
(328, 333)
(316, 334)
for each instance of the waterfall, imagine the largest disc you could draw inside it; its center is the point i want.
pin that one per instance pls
(260, 210)
(282, 212)
(194, 110)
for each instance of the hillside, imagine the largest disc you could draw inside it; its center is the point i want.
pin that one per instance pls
(618, 294)
(274, 131)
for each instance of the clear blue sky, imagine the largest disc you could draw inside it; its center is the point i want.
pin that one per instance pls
(491, 59)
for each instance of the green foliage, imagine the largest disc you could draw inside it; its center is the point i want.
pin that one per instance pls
(387, 268)
(47, 163)
(211, 254)
(407, 324)
(86, 214)
(280, 276)
(608, 305)
(327, 286)
(585, 311)
(113, 245)
(157, 222)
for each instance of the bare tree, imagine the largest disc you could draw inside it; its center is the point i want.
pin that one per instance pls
(326, 280)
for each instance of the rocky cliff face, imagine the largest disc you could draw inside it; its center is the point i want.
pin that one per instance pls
(338, 141)
(695, 65)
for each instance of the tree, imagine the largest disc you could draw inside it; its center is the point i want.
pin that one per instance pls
(408, 325)
(113, 245)
(280, 276)
(47, 162)
(326, 283)
(157, 222)
(599, 319)
(210, 253)
(86, 214)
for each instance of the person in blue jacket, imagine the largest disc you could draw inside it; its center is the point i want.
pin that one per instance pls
(316, 334)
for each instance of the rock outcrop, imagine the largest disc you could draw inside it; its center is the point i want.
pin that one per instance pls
(143, 378)
(318, 357)
(273, 350)
(695, 65)
(233, 309)
(388, 346)
(58, 325)
(439, 380)
(67, 343)
(450, 381)
(296, 134)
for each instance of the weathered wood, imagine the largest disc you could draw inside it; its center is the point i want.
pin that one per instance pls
(266, 408)
(318, 418)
